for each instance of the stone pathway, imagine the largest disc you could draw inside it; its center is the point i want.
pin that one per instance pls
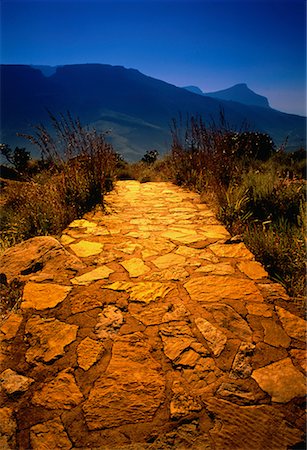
(149, 328)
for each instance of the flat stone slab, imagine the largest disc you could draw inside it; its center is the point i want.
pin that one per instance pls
(14, 383)
(146, 291)
(135, 267)
(41, 296)
(281, 380)
(83, 249)
(169, 260)
(293, 325)
(50, 434)
(89, 352)
(97, 274)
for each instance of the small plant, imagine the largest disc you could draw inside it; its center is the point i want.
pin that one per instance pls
(150, 157)
(10, 294)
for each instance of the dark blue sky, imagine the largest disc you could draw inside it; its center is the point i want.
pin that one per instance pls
(209, 43)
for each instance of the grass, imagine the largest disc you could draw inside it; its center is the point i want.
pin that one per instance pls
(77, 167)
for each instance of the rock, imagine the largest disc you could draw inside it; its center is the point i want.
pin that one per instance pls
(42, 296)
(212, 288)
(184, 235)
(182, 403)
(241, 366)
(281, 380)
(169, 260)
(232, 251)
(49, 435)
(13, 383)
(11, 326)
(187, 358)
(216, 269)
(173, 346)
(236, 393)
(301, 357)
(144, 291)
(97, 274)
(38, 258)
(226, 317)
(151, 314)
(250, 427)
(259, 309)
(293, 325)
(252, 269)
(135, 267)
(89, 352)
(60, 393)
(128, 247)
(214, 337)
(47, 339)
(82, 223)
(274, 334)
(109, 320)
(131, 390)
(7, 429)
(83, 249)
(66, 240)
(175, 312)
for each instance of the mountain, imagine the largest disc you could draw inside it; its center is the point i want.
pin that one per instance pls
(238, 93)
(136, 108)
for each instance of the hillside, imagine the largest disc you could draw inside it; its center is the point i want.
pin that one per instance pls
(137, 109)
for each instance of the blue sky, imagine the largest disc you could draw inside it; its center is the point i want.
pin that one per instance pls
(212, 44)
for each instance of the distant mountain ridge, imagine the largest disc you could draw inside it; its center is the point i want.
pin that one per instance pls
(138, 109)
(238, 93)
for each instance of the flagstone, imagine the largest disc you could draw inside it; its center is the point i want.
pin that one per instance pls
(214, 337)
(232, 251)
(65, 239)
(14, 383)
(83, 249)
(99, 273)
(89, 352)
(216, 269)
(135, 267)
(281, 380)
(82, 223)
(49, 435)
(293, 325)
(252, 269)
(43, 295)
(11, 325)
(144, 291)
(168, 260)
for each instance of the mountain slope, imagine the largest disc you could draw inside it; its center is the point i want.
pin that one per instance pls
(138, 109)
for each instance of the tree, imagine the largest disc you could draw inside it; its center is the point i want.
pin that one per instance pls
(19, 158)
(150, 156)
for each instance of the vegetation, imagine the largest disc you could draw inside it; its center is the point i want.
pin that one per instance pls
(257, 191)
(77, 167)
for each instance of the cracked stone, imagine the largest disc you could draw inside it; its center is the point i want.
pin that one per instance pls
(293, 325)
(241, 366)
(214, 337)
(144, 291)
(135, 267)
(42, 296)
(131, 390)
(89, 352)
(48, 339)
(281, 380)
(109, 321)
(60, 393)
(97, 274)
(49, 435)
(13, 383)
(83, 249)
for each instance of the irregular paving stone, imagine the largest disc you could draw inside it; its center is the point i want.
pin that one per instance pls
(281, 380)
(250, 427)
(174, 346)
(241, 366)
(151, 314)
(60, 393)
(188, 358)
(48, 338)
(182, 403)
(217, 269)
(232, 251)
(128, 247)
(215, 232)
(227, 318)
(49, 435)
(11, 325)
(97, 274)
(293, 325)
(301, 357)
(214, 337)
(274, 334)
(109, 320)
(135, 267)
(131, 390)
(37, 256)
(66, 240)
(144, 291)
(13, 383)
(196, 253)
(169, 260)
(175, 312)
(7, 429)
(171, 274)
(235, 392)
(83, 249)
(252, 269)
(42, 296)
(89, 352)
(259, 309)
(211, 288)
